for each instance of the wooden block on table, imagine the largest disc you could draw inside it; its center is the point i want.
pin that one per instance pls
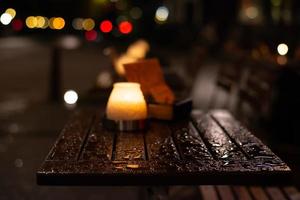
(149, 74)
(179, 110)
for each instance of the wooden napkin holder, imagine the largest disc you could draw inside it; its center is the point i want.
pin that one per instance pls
(162, 102)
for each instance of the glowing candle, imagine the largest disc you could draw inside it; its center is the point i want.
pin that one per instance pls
(126, 102)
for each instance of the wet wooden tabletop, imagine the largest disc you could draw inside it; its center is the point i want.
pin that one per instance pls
(208, 148)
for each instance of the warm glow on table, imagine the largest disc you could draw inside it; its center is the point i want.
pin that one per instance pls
(126, 102)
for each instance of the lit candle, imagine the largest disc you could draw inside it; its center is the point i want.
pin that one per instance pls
(126, 102)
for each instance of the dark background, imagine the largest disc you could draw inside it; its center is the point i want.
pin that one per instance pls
(200, 44)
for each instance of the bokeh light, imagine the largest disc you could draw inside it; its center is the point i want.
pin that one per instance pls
(125, 27)
(162, 14)
(276, 2)
(104, 80)
(31, 22)
(40, 21)
(88, 24)
(121, 18)
(106, 26)
(91, 35)
(136, 13)
(138, 49)
(12, 12)
(282, 49)
(51, 22)
(77, 23)
(58, 23)
(121, 4)
(70, 97)
(17, 24)
(5, 18)
(46, 23)
(251, 12)
(281, 60)
(70, 42)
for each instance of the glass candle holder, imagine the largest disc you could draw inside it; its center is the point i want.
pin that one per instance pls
(126, 106)
(126, 102)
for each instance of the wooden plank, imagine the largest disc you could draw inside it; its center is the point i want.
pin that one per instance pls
(161, 149)
(129, 146)
(292, 192)
(159, 142)
(275, 193)
(99, 144)
(241, 192)
(191, 147)
(221, 146)
(189, 142)
(260, 155)
(70, 141)
(258, 193)
(225, 192)
(208, 192)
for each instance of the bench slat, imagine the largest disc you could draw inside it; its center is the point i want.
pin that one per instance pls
(258, 193)
(241, 192)
(129, 146)
(208, 192)
(221, 146)
(225, 192)
(189, 142)
(99, 144)
(160, 144)
(292, 192)
(258, 153)
(275, 193)
(69, 144)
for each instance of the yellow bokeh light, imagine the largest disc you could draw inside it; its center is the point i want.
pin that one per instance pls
(46, 24)
(31, 22)
(51, 22)
(138, 49)
(40, 21)
(57, 23)
(12, 12)
(88, 24)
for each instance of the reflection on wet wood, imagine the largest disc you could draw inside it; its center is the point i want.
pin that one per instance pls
(209, 148)
(69, 144)
(99, 144)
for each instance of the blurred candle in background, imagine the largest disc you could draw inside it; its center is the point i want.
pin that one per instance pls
(126, 102)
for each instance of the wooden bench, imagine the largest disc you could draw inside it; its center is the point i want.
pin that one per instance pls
(208, 148)
(210, 192)
(231, 192)
(257, 92)
(229, 78)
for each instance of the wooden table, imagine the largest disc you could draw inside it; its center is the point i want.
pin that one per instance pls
(208, 148)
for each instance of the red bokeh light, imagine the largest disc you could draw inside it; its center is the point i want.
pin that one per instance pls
(106, 26)
(91, 35)
(125, 27)
(17, 24)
